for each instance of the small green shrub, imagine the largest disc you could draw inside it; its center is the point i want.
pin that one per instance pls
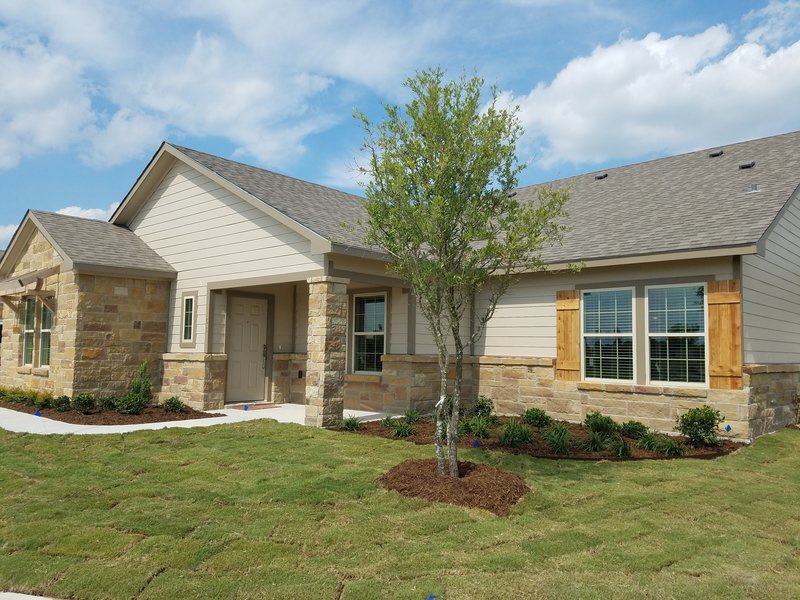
(61, 404)
(388, 421)
(559, 437)
(412, 416)
(174, 405)
(478, 426)
(669, 446)
(350, 424)
(649, 441)
(633, 429)
(130, 404)
(483, 407)
(619, 447)
(44, 401)
(600, 423)
(403, 429)
(141, 386)
(595, 442)
(514, 434)
(83, 403)
(537, 417)
(108, 402)
(699, 425)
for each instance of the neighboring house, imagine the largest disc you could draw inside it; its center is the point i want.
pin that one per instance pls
(238, 284)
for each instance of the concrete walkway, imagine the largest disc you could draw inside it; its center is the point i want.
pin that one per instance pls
(13, 420)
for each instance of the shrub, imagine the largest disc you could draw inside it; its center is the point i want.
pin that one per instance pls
(108, 402)
(348, 424)
(478, 426)
(403, 429)
(649, 441)
(61, 404)
(483, 407)
(536, 417)
(130, 404)
(559, 438)
(412, 416)
(44, 401)
(595, 442)
(669, 446)
(83, 403)
(388, 421)
(633, 429)
(174, 405)
(619, 447)
(600, 423)
(699, 425)
(514, 434)
(141, 386)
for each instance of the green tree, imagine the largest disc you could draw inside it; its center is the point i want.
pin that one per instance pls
(440, 203)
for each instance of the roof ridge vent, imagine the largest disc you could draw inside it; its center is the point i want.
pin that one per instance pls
(716, 153)
(747, 165)
(601, 176)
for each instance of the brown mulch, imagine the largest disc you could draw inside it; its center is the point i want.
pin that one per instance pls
(539, 448)
(152, 414)
(480, 486)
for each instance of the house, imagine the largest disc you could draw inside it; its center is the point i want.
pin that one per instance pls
(239, 284)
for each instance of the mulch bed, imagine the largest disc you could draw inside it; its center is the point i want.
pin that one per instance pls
(539, 448)
(152, 414)
(480, 486)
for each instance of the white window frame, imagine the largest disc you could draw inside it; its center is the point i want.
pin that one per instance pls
(704, 335)
(353, 333)
(42, 331)
(191, 341)
(632, 380)
(25, 331)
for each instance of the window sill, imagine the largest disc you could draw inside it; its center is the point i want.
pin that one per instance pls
(41, 372)
(654, 390)
(363, 377)
(24, 370)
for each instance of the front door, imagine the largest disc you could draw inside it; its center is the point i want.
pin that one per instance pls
(247, 338)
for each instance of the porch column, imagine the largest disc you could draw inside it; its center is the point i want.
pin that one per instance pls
(327, 341)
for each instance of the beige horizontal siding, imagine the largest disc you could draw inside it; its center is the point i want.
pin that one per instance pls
(771, 295)
(210, 235)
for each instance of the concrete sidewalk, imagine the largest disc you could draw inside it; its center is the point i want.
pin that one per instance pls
(13, 420)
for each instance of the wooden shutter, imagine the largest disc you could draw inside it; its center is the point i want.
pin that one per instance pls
(568, 335)
(725, 334)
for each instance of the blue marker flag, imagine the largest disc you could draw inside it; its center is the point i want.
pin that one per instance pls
(38, 413)
(245, 406)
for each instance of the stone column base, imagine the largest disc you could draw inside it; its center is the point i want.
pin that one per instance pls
(197, 379)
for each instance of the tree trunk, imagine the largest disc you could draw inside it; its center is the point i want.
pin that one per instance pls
(444, 366)
(452, 430)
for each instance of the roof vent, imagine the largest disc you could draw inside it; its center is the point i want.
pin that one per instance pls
(747, 165)
(601, 176)
(754, 188)
(716, 153)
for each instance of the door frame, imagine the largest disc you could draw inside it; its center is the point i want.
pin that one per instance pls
(269, 337)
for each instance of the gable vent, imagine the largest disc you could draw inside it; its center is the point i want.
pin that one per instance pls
(747, 165)
(601, 176)
(716, 153)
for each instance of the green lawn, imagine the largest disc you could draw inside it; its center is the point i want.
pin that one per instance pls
(261, 510)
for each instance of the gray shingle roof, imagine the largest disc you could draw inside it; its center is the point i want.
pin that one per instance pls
(685, 202)
(101, 244)
(330, 213)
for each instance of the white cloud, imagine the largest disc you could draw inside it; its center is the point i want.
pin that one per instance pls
(101, 214)
(777, 22)
(347, 174)
(44, 104)
(6, 233)
(124, 137)
(661, 95)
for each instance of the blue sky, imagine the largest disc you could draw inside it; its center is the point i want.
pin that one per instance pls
(89, 88)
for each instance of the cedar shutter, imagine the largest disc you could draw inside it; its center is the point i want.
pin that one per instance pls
(725, 334)
(568, 335)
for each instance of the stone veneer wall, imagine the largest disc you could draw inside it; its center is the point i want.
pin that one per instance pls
(121, 322)
(197, 379)
(774, 396)
(287, 387)
(58, 378)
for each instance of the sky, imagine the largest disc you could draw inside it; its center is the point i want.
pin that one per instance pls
(90, 88)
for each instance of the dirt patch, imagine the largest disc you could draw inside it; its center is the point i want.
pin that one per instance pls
(539, 448)
(480, 486)
(151, 414)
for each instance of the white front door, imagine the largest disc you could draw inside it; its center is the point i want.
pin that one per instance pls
(247, 336)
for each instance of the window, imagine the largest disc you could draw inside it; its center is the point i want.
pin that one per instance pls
(188, 321)
(676, 333)
(608, 334)
(44, 336)
(27, 332)
(369, 332)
